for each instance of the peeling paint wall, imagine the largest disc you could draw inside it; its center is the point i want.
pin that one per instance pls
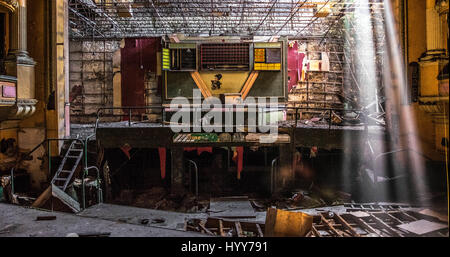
(141, 80)
(92, 72)
(316, 75)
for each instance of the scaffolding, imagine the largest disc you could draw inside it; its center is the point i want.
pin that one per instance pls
(116, 19)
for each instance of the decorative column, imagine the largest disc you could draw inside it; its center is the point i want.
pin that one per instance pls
(435, 42)
(19, 64)
(433, 99)
(433, 27)
(18, 36)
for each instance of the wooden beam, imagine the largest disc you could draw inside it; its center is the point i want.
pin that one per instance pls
(222, 233)
(392, 217)
(202, 226)
(43, 198)
(385, 226)
(365, 225)
(315, 232)
(404, 214)
(238, 229)
(271, 216)
(345, 224)
(324, 220)
(258, 227)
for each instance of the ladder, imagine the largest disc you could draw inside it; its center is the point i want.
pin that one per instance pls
(68, 165)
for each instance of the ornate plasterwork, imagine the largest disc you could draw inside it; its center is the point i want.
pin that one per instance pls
(442, 6)
(9, 4)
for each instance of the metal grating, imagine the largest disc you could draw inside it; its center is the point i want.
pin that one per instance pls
(150, 18)
(225, 56)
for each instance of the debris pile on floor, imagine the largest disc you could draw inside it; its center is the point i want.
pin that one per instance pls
(377, 224)
(159, 198)
(225, 227)
(229, 217)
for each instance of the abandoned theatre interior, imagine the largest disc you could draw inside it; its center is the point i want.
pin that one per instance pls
(233, 118)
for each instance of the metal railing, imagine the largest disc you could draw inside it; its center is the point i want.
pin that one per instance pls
(128, 112)
(192, 163)
(273, 173)
(49, 166)
(22, 158)
(330, 113)
(86, 173)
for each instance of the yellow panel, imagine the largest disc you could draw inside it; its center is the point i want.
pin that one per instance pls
(232, 81)
(165, 59)
(260, 55)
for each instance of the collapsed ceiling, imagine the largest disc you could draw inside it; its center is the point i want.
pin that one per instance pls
(115, 19)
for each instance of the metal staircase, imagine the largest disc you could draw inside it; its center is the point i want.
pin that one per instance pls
(69, 164)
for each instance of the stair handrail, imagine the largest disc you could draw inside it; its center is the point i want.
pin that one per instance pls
(86, 171)
(48, 140)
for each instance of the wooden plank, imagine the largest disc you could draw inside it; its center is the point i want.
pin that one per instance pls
(43, 198)
(315, 232)
(392, 217)
(238, 229)
(324, 220)
(431, 213)
(39, 218)
(385, 226)
(222, 233)
(350, 228)
(271, 216)
(202, 226)
(404, 214)
(365, 225)
(258, 227)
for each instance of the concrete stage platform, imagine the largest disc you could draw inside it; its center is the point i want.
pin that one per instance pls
(17, 221)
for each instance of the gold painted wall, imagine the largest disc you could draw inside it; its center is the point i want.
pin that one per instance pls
(46, 36)
(429, 128)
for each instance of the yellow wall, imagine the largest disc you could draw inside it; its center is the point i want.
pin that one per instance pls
(46, 36)
(428, 129)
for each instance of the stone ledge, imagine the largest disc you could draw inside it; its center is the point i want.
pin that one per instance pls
(17, 109)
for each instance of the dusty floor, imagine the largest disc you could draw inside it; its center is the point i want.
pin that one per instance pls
(17, 221)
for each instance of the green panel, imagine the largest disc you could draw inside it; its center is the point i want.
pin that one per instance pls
(268, 84)
(180, 84)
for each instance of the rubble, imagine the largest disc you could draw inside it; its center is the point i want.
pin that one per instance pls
(377, 223)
